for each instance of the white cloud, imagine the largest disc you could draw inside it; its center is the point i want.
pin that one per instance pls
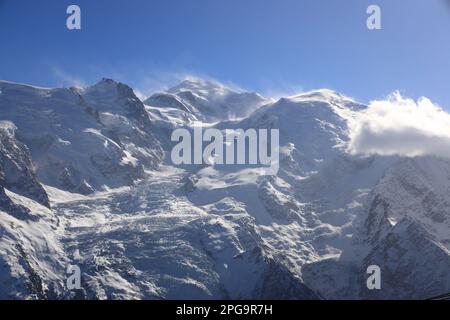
(65, 79)
(401, 126)
(283, 91)
(141, 96)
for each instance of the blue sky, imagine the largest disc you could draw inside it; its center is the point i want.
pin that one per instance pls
(274, 47)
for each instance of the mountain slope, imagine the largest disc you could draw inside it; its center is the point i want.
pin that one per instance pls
(32, 259)
(79, 142)
(16, 167)
(150, 242)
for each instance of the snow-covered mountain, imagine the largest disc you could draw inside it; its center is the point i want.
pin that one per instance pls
(208, 101)
(86, 179)
(82, 140)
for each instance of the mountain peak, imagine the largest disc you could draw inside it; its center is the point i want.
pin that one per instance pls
(208, 100)
(111, 87)
(320, 94)
(328, 97)
(105, 83)
(203, 88)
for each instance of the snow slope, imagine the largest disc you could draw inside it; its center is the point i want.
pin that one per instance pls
(80, 142)
(31, 255)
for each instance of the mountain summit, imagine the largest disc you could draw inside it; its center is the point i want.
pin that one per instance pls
(208, 101)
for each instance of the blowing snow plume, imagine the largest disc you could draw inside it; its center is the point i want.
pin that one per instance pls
(401, 126)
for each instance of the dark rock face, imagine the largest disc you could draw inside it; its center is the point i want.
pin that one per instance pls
(15, 210)
(413, 264)
(406, 233)
(280, 284)
(16, 168)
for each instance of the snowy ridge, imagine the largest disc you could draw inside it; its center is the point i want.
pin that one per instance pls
(207, 101)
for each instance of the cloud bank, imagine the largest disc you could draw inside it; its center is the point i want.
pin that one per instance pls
(401, 126)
